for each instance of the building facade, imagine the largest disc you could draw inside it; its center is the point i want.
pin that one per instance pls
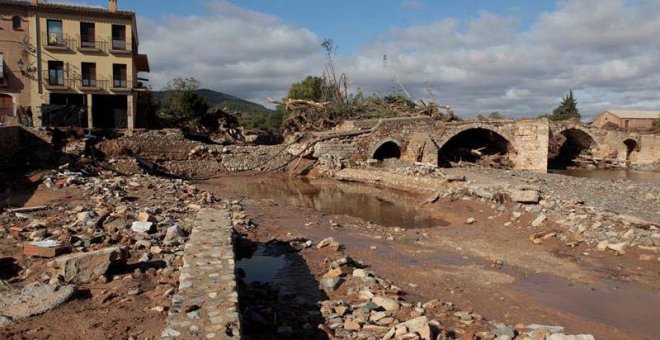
(15, 51)
(82, 62)
(628, 120)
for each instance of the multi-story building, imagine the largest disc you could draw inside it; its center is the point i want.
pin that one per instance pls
(82, 57)
(15, 52)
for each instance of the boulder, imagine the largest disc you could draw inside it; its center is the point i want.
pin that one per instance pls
(142, 227)
(86, 267)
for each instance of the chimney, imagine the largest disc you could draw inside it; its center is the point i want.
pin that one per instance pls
(112, 5)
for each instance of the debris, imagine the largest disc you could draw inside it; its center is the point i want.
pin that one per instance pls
(33, 299)
(46, 248)
(86, 267)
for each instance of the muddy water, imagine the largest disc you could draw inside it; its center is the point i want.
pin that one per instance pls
(634, 175)
(386, 208)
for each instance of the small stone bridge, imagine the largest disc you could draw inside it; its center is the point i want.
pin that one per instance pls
(528, 144)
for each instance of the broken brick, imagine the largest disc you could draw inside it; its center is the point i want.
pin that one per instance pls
(43, 249)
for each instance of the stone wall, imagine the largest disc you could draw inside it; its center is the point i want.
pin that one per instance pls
(206, 305)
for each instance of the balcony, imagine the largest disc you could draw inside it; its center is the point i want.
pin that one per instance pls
(119, 47)
(89, 45)
(90, 85)
(58, 42)
(58, 83)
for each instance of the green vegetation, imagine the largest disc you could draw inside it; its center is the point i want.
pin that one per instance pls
(183, 104)
(185, 94)
(566, 110)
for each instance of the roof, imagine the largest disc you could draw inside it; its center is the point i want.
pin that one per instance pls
(635, 114)
(69, 8)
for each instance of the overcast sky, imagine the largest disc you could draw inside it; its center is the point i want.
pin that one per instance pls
(512, 56)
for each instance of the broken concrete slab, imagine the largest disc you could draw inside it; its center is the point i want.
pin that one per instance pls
(86, 267)
(34, 299)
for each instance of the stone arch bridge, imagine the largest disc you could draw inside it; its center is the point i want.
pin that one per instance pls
(527, 144)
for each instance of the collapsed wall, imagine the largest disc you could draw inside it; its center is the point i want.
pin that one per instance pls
(171, 152)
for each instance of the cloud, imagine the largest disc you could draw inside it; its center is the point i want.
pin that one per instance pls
(607, 51)
(244, 53)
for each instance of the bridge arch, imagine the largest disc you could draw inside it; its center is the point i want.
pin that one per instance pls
(631, 146)
(474, 142)
(385, 149)
(566, 145)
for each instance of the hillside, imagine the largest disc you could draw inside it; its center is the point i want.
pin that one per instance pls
(249, 114)
(223, 100)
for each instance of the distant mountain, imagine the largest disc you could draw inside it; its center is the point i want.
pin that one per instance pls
(223, 100)
(249, 113)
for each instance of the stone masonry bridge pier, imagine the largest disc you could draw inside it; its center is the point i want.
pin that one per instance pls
(532, 145)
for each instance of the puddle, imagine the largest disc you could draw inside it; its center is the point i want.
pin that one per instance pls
(260, 267)
(384, 207)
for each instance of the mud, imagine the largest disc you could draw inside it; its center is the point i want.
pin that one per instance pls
(485, 267)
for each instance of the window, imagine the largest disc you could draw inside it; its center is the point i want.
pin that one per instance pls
(87, 35)
(3, 78)
(118, 37)
(56, 73)
(119, 76)
(55, 33)
(16, 22)
(88, 74)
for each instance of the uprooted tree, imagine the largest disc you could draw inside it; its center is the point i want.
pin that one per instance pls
(319, 103)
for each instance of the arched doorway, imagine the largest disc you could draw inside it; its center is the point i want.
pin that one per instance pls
(476, 146)
(566, 147)
(6, 105)
(386, 150)
(631, 146)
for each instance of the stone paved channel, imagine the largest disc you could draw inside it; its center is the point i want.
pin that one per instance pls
(206, 305)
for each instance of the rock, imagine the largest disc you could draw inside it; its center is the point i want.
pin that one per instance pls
(351, 325)
(504, 330)
(173, 233)
(656, 239)
(419, 325)
(365, 294)
(340, 310)
(617, 247)
(539, 220)
(326, 242)
(142, 227)
(330, 283)
(525, 196)
(471, 220)
(387, 303)
(85, 217)
(33, 299)
(551, 329)
(86, 267)
(361, 273)
(602, 245)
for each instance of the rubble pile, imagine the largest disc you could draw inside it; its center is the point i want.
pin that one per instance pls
(126, 233)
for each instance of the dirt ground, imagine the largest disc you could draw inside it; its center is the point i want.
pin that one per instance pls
(130, 302)
(484, 267)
